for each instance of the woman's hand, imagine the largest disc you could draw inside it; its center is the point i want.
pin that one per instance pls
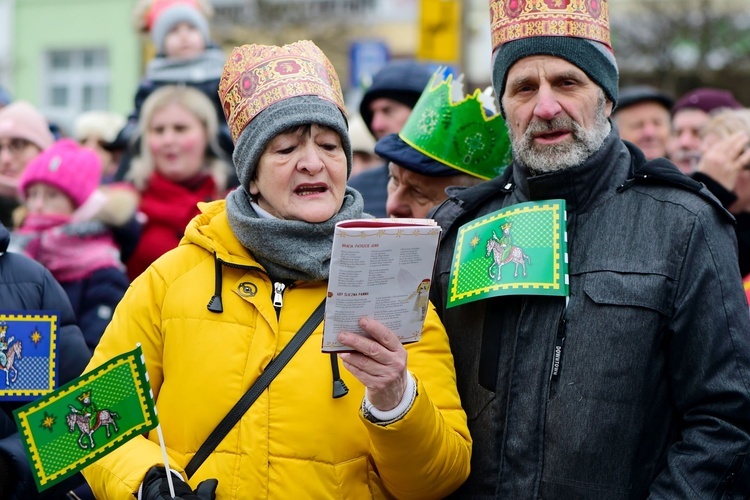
(379, 363)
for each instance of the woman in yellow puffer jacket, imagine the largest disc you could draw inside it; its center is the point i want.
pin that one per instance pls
(211, 314)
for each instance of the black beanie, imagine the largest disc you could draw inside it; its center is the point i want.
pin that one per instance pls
(402, 81)
(593, 58)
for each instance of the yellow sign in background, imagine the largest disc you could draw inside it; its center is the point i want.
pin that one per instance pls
(440, 31)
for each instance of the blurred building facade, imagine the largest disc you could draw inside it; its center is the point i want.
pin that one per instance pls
(69, 56)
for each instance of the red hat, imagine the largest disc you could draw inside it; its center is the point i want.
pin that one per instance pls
(707, 100)
(159, 6)
(73, 169)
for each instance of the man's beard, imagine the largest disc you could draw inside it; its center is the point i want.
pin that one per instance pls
(540, 159)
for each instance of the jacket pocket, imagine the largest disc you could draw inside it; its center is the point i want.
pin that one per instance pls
(650, 291)
(615, 334)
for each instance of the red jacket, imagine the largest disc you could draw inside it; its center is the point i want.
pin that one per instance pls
(168, 208)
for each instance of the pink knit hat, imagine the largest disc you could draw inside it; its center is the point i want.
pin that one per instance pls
(21, 119)
(73, 169)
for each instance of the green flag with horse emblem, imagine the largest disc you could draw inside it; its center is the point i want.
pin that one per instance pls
(518, 250)
(85, 419)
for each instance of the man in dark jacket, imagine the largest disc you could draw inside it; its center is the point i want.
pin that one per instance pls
(651, 346)
(385, 107)
(26, 285)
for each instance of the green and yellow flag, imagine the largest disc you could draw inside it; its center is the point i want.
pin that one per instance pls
(518, 250)
(87, 418)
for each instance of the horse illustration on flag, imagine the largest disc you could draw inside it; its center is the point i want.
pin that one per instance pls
(28, 354)
(505, 252)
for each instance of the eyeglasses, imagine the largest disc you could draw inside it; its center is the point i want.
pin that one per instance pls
(15, 146)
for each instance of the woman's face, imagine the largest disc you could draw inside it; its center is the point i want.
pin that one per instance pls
(109, 163)
(177, 140)
(15, 154)
(301, 175)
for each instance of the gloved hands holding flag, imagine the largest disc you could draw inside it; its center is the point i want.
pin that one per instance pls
(156, 487)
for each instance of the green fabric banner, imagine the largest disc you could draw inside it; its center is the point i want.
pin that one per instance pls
(87, 418)
(518, 250)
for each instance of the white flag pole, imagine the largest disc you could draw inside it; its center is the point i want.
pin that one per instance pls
(166, 459)
(158, 432)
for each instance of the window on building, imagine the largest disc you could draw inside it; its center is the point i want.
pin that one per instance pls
(75, 81)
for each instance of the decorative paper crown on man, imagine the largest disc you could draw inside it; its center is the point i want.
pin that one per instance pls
(574, 30)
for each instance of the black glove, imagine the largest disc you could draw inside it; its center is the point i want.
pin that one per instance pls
(156, 487)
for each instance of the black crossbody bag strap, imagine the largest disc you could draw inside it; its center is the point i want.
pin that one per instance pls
(239, 409)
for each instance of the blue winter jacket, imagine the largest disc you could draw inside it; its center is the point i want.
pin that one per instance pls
(27, 285)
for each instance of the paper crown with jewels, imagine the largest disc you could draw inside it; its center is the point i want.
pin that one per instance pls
(517, 19)
(455, 129)
(257, 76)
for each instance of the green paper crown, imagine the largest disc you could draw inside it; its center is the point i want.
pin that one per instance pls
(458, 134)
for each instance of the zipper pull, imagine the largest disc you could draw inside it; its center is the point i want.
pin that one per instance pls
(278, 290)
(557, 357)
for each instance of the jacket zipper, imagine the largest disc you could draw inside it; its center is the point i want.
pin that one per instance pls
(278, 297)
(557, 357)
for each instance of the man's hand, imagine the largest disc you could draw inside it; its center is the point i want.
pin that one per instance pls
(724, 160)
(379, 363)
(156, 487)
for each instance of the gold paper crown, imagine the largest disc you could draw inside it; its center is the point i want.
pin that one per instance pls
(84, 396)
(516, 19)
(3, 328)
(257, 76)
(507, 225)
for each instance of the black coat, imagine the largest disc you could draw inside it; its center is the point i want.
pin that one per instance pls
(94, 300)
(27, 285)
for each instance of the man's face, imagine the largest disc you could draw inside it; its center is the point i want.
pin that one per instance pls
(388, 116)
(684, 146)
(412, 195)
(647, 125)
(557, 116)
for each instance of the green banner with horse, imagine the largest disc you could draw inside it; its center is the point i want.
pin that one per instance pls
(518, 250)
(87, 418)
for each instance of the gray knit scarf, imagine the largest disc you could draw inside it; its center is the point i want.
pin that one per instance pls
(289, 249)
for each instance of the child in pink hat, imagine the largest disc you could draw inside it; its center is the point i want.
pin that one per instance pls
(61, 231)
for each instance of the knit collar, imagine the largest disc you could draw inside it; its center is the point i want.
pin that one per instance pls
(288, 249)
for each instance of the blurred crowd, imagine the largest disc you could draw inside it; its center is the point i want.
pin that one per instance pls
(98, 207)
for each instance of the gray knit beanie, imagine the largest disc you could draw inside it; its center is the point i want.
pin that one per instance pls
(281, 116)
(170, 17)
(592, 57)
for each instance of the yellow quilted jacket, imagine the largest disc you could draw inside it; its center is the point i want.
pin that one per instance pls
(296, 441)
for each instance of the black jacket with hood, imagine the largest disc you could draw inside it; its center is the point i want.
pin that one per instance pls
(27, 285)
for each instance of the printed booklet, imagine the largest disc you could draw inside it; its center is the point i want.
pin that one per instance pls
(380, 268)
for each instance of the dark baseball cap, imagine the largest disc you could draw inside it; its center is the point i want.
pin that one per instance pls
(393, 149)
(637, 94)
